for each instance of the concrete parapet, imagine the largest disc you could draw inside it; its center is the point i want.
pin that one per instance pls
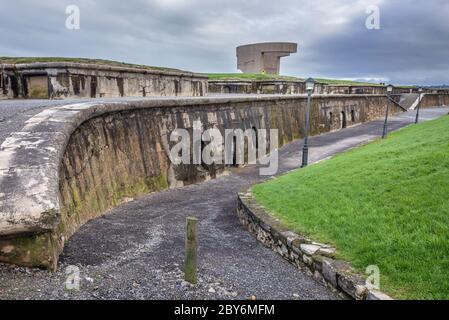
(61, 80)
(287, 87)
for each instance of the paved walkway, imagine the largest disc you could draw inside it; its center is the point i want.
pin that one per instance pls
(136, 250)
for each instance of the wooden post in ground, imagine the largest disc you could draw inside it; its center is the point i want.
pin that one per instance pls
(191, 254)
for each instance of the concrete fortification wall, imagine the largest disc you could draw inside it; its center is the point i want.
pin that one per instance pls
(433, 99)
(55, 80)
(287, 87)
(71, 163)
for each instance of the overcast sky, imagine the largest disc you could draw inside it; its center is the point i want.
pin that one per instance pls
(411, 46)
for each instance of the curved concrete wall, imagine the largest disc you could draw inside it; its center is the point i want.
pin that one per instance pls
(71, 163)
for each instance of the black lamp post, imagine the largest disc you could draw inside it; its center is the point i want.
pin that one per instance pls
(389, 91)
(310, 85)
(420, 90)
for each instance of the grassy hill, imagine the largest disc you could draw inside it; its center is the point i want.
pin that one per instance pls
(384, 204)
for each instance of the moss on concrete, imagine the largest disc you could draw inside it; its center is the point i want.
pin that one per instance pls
(41, 250)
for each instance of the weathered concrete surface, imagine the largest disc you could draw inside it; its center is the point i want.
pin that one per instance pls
(136, 250)
(430, 100)
(425, 100)
(256, 87)
(14, 113)
(79, 80)
(71, 163)
(287, 87)
(263, 57)
(409, 100)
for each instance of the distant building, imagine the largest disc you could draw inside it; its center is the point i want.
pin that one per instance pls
(263, 57)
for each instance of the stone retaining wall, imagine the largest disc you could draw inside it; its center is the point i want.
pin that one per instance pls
(316, 258)
(71, 163)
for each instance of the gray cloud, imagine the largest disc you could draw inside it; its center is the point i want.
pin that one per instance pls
(201, 35)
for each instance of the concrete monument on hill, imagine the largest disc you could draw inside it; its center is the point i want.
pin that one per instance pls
(263, 57)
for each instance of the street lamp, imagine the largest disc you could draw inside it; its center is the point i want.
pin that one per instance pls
(420, 90)
(389, 91)
(310, 85)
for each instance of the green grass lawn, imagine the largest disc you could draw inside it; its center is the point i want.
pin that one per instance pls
(384, 204)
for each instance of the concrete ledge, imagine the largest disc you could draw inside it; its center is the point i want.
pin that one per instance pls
(317, 258)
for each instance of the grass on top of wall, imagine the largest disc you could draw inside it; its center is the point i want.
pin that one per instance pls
(19, 60)
(250, 76)
(269, 77)
(347, 82)
(384, 204)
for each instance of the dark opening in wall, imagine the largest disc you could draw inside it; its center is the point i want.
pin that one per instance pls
(234, 151)
(83, 83)
(93, 87)
(256, 138)
(121, 89)
(76, 83)
(352, 116)
(203, 145)
(15, 86)
(4, 83)
(177, 87)
(343, 120)
(22, 87)
(331, 118)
